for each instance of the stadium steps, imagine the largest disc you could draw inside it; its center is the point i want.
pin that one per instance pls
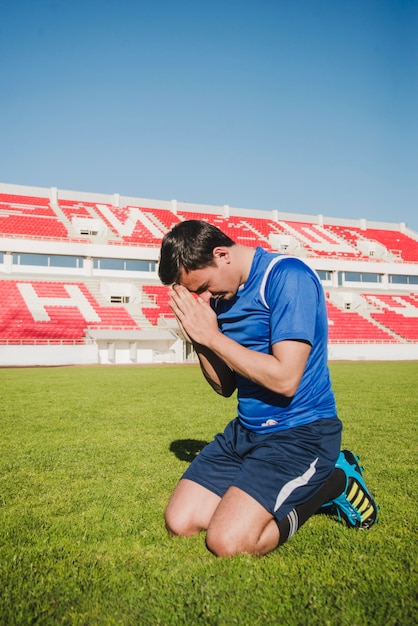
(134, 309)
(73, 233)
(94, 288)
(263, 239)
(102, 212)
(111, 236)
(64, 219)
(149, 224)
(352, 248)
(152, 217)
(396, 313)
(389, 331)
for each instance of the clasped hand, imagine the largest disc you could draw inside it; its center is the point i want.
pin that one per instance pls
(196, 318)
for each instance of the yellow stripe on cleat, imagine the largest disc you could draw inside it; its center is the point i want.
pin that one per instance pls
(367, 513)
(364, 506)
(357, 501)
(352, 493)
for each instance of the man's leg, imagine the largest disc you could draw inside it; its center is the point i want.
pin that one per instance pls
(190, 509)
(236, 523)
(240, 524)
(344, 494)
(301, 513)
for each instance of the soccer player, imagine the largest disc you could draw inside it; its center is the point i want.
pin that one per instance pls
(258, 326)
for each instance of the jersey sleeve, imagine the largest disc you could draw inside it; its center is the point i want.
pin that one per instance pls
(292, 294)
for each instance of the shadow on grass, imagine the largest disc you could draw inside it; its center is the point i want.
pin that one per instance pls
(187, 449)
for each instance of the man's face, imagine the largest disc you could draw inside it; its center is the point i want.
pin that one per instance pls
(214, 281)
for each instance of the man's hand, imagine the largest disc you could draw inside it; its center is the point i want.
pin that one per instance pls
(195, 317)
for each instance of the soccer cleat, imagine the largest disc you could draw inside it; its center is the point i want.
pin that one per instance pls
(356, 505)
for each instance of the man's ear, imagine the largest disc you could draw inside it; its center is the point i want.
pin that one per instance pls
(221, 253)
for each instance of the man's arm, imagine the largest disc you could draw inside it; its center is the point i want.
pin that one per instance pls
(281, 371)
(219, 376)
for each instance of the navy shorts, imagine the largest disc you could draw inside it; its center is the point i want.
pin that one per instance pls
(280, 470)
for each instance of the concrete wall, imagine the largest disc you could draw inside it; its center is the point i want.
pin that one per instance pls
(48, 355)
(121, 353)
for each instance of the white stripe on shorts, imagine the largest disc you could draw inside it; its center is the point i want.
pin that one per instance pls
(293, 519)
(299, 481)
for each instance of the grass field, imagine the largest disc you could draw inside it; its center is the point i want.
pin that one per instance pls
(89, 457)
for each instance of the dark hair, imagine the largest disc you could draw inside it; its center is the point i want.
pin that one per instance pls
(189, 246)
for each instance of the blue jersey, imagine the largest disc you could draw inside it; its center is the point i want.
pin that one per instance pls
(282, 299)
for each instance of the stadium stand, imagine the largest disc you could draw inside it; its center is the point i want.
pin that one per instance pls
(35, 217)
(395, 244)
(64, 281)
(74, 209)
(161, 308)
(53, 310)
(162, 218)
(398, 313)
(132, 224)
(319, 241)
(350, 326)
(237, 228)
(29, 216)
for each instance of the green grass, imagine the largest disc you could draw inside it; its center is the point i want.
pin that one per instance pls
(89, 457)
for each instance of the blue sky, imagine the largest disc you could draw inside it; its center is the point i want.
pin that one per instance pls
(304, 106)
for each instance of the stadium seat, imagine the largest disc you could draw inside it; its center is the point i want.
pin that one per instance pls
(398, 313)
(352, 327)
(34, 310)
(29, 216)
(158, 294)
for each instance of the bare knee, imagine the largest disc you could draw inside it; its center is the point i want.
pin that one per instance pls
(190, 509)
(225, 545)
(229, 540)
(177, 524)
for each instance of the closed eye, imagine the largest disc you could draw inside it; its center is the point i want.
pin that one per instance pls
(201, 289)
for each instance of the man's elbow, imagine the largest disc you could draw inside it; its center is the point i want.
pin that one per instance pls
(287, 388)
